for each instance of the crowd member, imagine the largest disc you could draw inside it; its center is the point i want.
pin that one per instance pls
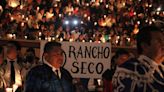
(51, 76)
(12, 65)
(30, 61)
(145, 73)
(1, 55)
(120, 57)
(1, 63)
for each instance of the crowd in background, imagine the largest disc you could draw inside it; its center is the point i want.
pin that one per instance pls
(117, 21)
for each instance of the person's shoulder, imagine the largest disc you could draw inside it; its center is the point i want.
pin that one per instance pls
(130, 64)
(40, 67)
(134, 65)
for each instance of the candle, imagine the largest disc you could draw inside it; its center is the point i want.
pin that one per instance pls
(12, 18)
(60, 15)
(38, 8)
(25, 37)
(9, 90)
(22, 24)
(40, 33)
(61, 39)
(21, 6)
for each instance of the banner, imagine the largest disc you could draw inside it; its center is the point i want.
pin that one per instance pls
(85, 59)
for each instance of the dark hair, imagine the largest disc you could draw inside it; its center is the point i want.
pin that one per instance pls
(1, 49)
(31, 50)
(121, 51)
(144, 36)
(15, 44)
(50, 45)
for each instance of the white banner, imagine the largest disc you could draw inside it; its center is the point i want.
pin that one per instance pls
(85, 59)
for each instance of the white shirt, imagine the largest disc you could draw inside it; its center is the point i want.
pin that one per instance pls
(6, 73)
(53, 68)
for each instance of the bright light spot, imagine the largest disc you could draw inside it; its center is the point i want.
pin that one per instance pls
(66, 22)
(159, 9)
(75, 22)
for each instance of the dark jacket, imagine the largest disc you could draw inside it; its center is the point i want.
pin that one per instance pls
(137, 76)
(42, 79)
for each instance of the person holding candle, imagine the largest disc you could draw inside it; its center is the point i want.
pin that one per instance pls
(12, 65)
(145, 73)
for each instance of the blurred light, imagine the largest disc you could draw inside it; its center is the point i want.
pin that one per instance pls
(150, 5)
(104, 16)
(150, 22)
(87, 4)
(21, 6)
(107, 6)
(138, 22)
(159, 9)
(60, 15)
(82, 22)
(146, 21)
(85, 15)
(75, 22)
(157, 12)
(95, 23)
(89, 17)
(153, 19)
(66, 22)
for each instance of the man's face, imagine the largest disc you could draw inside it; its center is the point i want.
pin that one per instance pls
(156, 47)
(55, 57)
(12, 52)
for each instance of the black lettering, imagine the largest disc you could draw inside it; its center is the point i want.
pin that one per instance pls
(76, 69)
(83, 69)
(87, 52)
(90, 66)
(94, 55)
(99, 68)
(80, 52)
(72, 51)
(106, 52)
(100, 52)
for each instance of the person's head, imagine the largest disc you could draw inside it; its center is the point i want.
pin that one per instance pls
(53, 54)
(121, 56)
(13, 49)
(150, 42)
(1, 55)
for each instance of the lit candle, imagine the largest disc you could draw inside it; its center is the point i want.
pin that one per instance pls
(95, 23)
(61, 39)
(9, 35)
(25, 37)
(21, 6)
(71, 40)
(9, 90)
(53, 38)
(27, 19)
(40, 33)
(12, 18)
(22, 24)
(60, 15)
(83, 40)
(89, 17)
(49, 39)
(38, 8)
(22, 16)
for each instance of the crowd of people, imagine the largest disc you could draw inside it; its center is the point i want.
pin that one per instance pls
(117, 21)
(143, 73)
